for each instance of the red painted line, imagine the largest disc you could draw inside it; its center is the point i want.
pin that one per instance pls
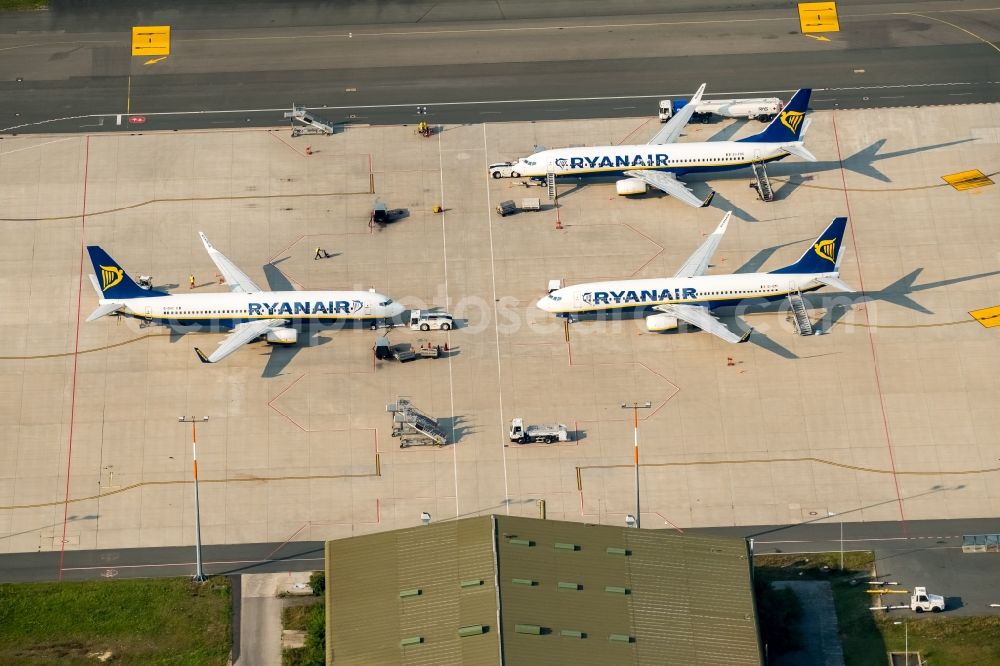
(871, 339)
(285, 542)
(651, 241)
(290, 146)
(76, 356)
(283, 391)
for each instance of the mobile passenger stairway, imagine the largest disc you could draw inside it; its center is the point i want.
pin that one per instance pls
(800, 317)
(413, 427)
(311, 124)
(761, 182)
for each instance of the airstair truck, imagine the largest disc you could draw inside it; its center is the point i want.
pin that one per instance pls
(531, 434)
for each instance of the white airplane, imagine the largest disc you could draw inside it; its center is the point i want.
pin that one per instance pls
(248, 312)
(659, 166)
(690, 295)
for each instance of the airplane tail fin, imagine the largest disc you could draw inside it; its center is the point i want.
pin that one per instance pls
(824, 255)
(787, 125)
(112, 280)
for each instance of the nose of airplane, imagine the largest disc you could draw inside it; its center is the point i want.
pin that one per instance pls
(396, 309)
(545, 303)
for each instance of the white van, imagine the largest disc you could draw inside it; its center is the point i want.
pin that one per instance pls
(426, 321)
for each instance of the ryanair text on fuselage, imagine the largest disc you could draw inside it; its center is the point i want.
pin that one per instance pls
(614, 161)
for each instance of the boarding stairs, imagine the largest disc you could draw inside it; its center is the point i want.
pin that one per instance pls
(413, 427)
(799, 314)
(311, 124)
(550, 183)
(761, 182)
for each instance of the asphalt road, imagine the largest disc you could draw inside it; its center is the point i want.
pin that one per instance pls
(243, 64)
(913, 553)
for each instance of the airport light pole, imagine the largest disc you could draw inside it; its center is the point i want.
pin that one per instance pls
(635, 407)
(906, 642)
(199, 574)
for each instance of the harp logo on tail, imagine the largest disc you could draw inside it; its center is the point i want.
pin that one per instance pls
(826, 249)
(110, 276)
(792, 119)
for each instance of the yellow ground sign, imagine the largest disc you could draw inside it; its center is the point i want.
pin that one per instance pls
(967, 180)
(988, 317)
(151, 40)
(818, 17)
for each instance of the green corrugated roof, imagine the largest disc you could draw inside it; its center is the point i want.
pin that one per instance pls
(367, 619)
(687, 599)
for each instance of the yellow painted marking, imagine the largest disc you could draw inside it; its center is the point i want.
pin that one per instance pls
(820, 38)
(967, 180)
(151, 40)
(958, 27)
(818, 17)
(153, 61)
(988, 317)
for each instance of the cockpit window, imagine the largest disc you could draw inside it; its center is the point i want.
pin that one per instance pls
(530, 163)
(385, 303)
(555, 298)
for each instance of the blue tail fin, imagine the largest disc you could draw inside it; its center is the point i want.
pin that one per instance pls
(787, 125)
(113, 281)
(823, 256)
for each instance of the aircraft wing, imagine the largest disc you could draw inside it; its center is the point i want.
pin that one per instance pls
(697, 263)
(703, 319)
(239, 336)
(237, 280)
(673, 127)
(669, 183)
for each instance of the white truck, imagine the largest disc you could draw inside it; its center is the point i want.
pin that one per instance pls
(920, 601)
(422, 320)
(761, 108)
(530, 434)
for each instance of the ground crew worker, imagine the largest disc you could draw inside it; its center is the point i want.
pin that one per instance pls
(190, 282)
(321, 254)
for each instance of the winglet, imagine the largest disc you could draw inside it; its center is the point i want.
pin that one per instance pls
(204, 240)
(746, 336)
(201, 355)
(708, 200)
(721, 229)
(697, 96)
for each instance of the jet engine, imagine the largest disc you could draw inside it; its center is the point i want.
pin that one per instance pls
(628, 186)
(661, 322)
(282, 336)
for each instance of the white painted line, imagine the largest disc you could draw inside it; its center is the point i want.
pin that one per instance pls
(447, 308)
(731, 93)
(191, 564)
(496, 324)
(859, 71)
(118, 119)
(37, 145)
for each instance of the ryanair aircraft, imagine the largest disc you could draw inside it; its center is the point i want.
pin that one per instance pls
(661, 162)
(690, 295)
(248, 312)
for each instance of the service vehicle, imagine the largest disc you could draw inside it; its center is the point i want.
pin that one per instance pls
(921, 601)
(426, 321)
(503, 170)
(546, 433)
(531, 204)
(759, 108)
